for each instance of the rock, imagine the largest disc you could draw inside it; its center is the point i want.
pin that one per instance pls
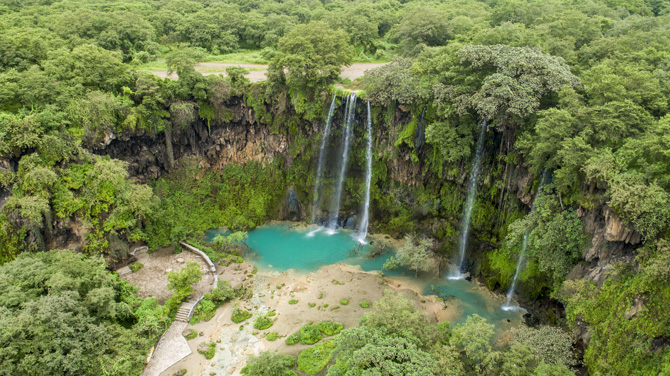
(350, 223)
(180, 260)
(617, 230)
(637, 307)
(292, 207)
(168, 270)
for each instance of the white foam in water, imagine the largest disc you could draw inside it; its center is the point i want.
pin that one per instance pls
(313, 232)
(455, 274)
(331, 231)
(510, 308)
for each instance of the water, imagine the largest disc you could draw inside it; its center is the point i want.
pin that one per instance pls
(365, 215)
(508, 306)
(283, 246)
(469, 203)
(322, 159)
(349, 120)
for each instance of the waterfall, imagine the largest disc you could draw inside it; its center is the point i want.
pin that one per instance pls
(350, 113)
(522, 255)
(322, 159)
(469, 202)
(365, 215)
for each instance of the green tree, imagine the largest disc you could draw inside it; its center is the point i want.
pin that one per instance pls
(310, 57)
(269, 364)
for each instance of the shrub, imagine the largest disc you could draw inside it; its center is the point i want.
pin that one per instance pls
(209, 350)
(365, 304)
(239, 315)
(293, 301)
(191, 334)
(263, 322)
(310, 334)
(203, 312)
(269, 364)
(329, 328)
(316, 358)
(344, 301)
(293, 339)
(272, 336)
(136, 266)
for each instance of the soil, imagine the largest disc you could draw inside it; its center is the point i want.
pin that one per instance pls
(258, 71)
(152, 278)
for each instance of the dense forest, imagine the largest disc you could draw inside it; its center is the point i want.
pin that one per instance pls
(578, 91)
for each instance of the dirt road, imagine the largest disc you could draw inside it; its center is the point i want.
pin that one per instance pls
(257, 72)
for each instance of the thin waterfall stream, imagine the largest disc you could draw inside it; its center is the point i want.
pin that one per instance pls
(350, 112)
(365, 215)
(469, 203)
(322, 159)
(507, 306)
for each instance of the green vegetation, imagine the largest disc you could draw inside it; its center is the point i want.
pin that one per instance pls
(263, 322)
(310, 334)
(293, 301)
(136, 266)
(269, 364)
(191, 335)
(208, 350)
(316, 358)
(344, 301)
(86, 319)
(293, 339)
(272, 336)
(206, 309)
(364, 304)
(239, 315)
(181, 283)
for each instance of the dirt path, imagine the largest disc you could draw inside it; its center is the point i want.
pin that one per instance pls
(257, 72)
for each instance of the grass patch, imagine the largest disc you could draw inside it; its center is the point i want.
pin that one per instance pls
(293, 301)
(239, 315)
(330, 328)
(210, 351)
(344, 301)
(364, 304)
(272, 336)
(293, 339)
(135, 267)
(263, 322)
(310, 334)
(191, 334)
(311, 361)
(312, 305)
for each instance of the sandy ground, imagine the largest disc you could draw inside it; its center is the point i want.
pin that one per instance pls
(258, 71)
(152, 278)
(325, 288)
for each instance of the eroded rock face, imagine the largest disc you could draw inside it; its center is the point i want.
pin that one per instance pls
(617, 231)
(611, 242)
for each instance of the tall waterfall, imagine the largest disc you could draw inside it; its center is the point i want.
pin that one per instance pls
(350, 112)
(365, 216)
(322, 159)
(522, 255)
(469, 202)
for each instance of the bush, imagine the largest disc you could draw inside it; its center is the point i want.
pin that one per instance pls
(208, 350)
(203, 312)
(191, 334)
(272, 336)
(239, 315)
(263, 322)
(269, 364)
(293, 301)
(344, 301)
(365, 304)
(136, 266)
(316, 358)
(329, 328)
(293, 339)
(310, 334)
